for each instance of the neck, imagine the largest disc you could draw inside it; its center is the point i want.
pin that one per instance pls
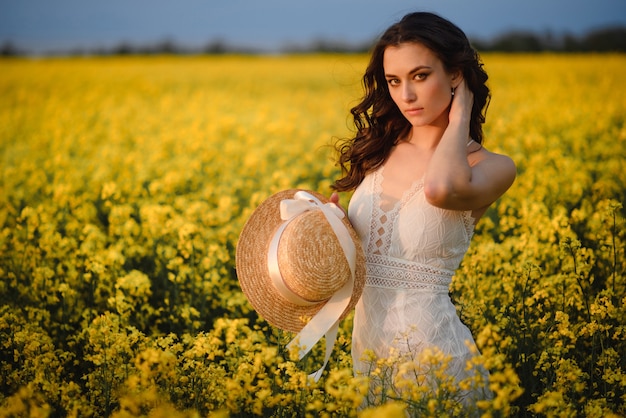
(426, 137)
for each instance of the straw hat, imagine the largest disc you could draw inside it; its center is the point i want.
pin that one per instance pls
(309, 257)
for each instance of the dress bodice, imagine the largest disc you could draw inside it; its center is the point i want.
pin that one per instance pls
(408, 231)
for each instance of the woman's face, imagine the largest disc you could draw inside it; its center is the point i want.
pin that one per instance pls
(418, 84)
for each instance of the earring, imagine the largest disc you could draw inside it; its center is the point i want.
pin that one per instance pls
(452, 92)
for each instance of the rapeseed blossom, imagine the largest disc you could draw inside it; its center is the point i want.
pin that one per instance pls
(126, 181)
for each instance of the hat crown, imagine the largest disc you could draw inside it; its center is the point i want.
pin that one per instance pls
(273, 286)
(311, 260)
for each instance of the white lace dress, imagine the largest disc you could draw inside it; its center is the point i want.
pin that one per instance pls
(412, 250)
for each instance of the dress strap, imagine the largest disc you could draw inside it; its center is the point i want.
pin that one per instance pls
(470, 142)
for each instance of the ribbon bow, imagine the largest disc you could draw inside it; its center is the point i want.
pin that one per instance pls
(326, 321)
(302, 202)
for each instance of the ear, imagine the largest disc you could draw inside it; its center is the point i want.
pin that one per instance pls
(455, 78)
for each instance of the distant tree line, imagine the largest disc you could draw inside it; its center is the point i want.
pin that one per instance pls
(607, 39)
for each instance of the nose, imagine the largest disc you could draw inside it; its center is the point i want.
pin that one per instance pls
(408, 92)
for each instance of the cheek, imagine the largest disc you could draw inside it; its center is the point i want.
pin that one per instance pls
(439, 99)
(438, 92)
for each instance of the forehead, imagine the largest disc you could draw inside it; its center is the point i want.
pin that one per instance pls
(407, 56)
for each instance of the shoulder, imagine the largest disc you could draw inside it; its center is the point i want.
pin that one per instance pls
(498, 167)
(478, 154)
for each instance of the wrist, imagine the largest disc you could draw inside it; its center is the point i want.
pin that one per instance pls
(459, 126)
(459, 120)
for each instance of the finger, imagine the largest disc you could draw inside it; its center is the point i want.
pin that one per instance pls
(334, 199)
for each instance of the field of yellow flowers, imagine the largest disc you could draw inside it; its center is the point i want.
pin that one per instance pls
(125, 182)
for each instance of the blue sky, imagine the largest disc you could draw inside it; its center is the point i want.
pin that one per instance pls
(47, 25)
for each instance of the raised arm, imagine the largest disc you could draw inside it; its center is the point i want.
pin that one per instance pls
(458, 182)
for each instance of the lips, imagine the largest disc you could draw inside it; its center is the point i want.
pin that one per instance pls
(414, 110)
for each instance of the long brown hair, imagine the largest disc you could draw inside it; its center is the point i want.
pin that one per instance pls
(378, 121)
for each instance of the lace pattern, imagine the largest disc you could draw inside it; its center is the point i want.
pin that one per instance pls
(393, 273)
(409, 228)
(383, 221)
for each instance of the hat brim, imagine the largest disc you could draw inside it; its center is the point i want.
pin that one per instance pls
(253, 274)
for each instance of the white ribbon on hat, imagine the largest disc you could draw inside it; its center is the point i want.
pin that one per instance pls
(326, 321)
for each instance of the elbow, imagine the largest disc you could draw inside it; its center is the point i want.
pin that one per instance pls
(439, 194)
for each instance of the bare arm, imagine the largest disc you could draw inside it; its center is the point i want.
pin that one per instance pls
(450, 181)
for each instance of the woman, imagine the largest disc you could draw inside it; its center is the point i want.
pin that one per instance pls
(422, 180)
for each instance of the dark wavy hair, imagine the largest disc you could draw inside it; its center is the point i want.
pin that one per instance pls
(378, 121)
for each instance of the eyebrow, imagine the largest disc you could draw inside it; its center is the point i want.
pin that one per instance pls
(413, 71)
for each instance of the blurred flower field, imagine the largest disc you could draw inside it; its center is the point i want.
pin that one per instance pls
(125, 182)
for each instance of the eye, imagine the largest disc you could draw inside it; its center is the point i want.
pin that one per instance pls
(393, 82)
(421, 76)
